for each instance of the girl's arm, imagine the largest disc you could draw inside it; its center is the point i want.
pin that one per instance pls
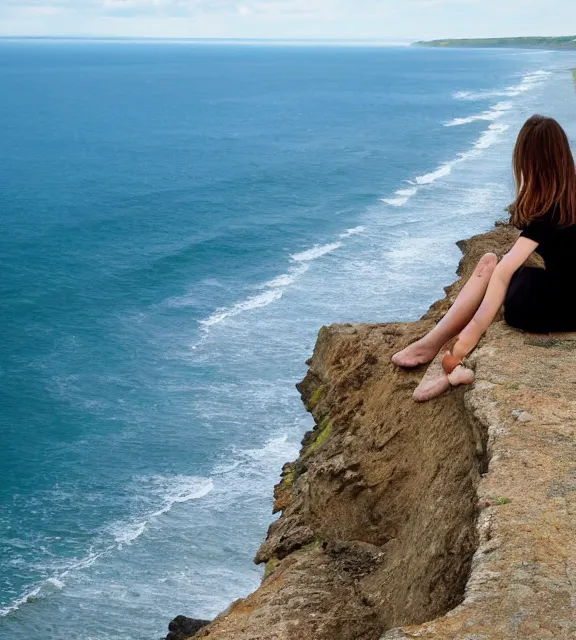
(494, 297)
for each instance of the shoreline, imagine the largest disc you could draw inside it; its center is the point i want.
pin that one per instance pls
(562, 43)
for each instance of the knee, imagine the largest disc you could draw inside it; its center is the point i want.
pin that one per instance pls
(487, 264)
(490, 259)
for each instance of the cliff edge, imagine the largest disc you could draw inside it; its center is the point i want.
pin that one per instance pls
(450, 519)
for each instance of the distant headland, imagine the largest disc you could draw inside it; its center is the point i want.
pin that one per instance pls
(557, 43)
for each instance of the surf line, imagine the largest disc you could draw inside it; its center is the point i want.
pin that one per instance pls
(273, 290)
(488, 138)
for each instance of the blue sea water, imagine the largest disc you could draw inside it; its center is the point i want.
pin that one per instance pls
(177, 221)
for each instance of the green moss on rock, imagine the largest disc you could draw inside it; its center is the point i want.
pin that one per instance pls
(316, 397)
(322, 434)
(270, 566)
(289, 478)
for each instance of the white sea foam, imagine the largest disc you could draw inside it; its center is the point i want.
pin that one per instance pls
(317, 251)
(253, 302)
(285, 279)
(402, 197)
(29, 596)
(352, 232)
(126, 534)
(274, 446)
(277, 447)
(171, 490)
(274, 289)
(495, 112)
(56, 581)
(84, 563)
(488, 138)
(441, 172)
(179, 489)
(528, 82)
(58, 584)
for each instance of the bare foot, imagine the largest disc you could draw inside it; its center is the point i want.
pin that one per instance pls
(461, 375)
(419, 352)
(433, 384)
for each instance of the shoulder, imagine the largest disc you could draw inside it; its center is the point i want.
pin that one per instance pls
(541, 227)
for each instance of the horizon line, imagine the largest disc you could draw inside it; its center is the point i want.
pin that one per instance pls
(213, 39)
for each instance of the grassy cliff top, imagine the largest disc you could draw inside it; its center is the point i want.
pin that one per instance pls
(563, 42)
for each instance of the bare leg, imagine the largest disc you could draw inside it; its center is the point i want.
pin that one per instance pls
(458, 316)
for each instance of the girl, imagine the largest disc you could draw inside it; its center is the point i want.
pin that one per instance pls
(536, 300)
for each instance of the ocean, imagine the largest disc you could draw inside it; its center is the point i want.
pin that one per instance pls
(177, 222)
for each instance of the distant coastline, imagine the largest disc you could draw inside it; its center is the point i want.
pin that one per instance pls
(563, 43)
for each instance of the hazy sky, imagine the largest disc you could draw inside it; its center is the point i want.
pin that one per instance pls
(350, 19)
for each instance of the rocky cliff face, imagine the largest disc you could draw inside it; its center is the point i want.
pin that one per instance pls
(450, 519)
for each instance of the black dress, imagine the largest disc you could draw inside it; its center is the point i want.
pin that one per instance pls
(542, 300)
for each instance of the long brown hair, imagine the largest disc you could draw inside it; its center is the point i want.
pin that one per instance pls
(544, 172)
